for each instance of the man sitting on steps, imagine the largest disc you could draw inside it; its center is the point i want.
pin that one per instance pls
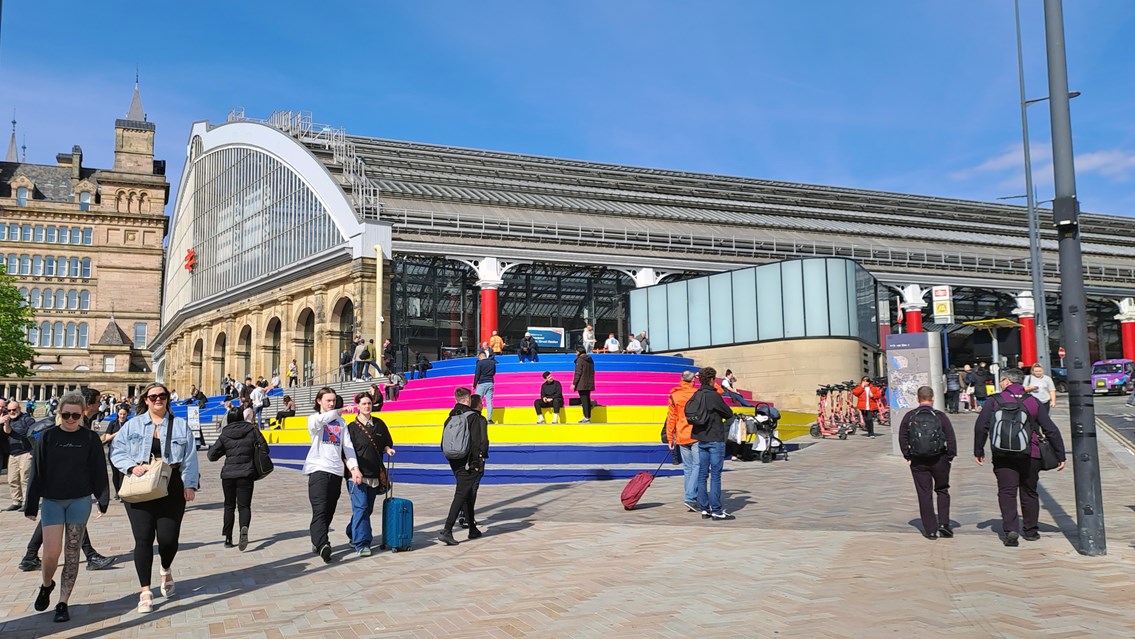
(551, 395)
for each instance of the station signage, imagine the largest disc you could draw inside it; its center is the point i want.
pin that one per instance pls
(942, 303)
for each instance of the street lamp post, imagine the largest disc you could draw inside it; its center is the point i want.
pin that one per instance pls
(1036, 266)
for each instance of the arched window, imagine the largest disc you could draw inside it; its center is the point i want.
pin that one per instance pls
(13, 264)
(33, 336)
(38, 232)
(26, 232)
(60, 299)
(48, 300)
(49, 266)
(76, 235)
(85, 201)
(22, 196)
(63, 235)
(51, 234)
(61, 266)
(72, 334)
(45, 334)
(72, 300)
(35, 299)
(25, 265)
(57, 335)
(37, 264)
(83, 335)
(3, 232)
(86, 268)
(74, 267)
(88, 236)
(84, 300)
(24, 294)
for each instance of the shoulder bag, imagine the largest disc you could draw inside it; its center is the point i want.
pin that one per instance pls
(1049, 460)
(154, 484)
(261, 457)
(383, 478)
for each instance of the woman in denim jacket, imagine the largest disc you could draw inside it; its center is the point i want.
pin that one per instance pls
(143, 437)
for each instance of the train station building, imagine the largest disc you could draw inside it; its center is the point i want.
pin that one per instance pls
(288, 238)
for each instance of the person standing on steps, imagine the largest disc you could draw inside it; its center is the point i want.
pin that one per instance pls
(371, 439)
(483, 376)
(68, 468)
(588, 338)
(929, 445)
(584, 382)
(467, 471)
(155, 432)
(324, 466)
(496, 344)
(293, 373)
(237, 444)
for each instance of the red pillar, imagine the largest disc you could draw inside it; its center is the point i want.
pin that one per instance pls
(488, 313)
(914, 320)
(1127, 335)
(1028, 339)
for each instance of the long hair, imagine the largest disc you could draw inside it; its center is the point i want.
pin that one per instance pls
(319, 395)
(140, 405)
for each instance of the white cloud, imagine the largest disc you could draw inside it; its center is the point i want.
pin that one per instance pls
(1114, 163)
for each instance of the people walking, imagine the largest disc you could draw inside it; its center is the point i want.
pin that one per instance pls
(371, 439)
(929, 445)
(331, 445)
(108, 435)
(981, 380)
(154, 432)
(1040, 386)
(17, 426)
(467, 470)
(710, 433)
(68, 468)
(1014, 415)
(678, 434)
(867, 399)
(237, 444)
(483, 380)
(584, 382)
(953, 390)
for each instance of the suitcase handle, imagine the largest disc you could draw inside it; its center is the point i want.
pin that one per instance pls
(669, 455)
(390, 475)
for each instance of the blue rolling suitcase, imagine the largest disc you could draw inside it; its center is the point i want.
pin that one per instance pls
(397, 522)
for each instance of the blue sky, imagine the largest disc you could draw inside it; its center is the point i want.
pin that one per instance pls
(913, 97)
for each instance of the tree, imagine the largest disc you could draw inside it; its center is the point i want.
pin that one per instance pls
(16, 319)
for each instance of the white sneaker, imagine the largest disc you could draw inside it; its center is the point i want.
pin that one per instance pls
(555, 419)
(540, 419)
(585, 421)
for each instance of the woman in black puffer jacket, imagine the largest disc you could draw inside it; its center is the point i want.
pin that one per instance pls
(236, 444)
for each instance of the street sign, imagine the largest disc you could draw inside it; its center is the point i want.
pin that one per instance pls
(943, 311)
(1061, 352)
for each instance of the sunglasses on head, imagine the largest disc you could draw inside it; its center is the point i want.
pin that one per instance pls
(153, 397)
(69, 416)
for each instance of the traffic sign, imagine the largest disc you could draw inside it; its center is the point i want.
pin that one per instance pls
(1060, 352)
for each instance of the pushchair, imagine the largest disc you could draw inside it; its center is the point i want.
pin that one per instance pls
(756, 435)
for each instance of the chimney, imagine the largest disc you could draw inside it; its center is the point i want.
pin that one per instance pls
(76, 161)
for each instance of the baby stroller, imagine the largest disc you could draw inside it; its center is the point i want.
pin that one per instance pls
(762, 427)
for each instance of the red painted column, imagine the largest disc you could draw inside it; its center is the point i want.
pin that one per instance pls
(488, 312)
(1028, 339)
(914, 320)
(1127, 335)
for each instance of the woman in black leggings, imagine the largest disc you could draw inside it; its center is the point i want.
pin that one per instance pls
(155, 432)
(237, 444)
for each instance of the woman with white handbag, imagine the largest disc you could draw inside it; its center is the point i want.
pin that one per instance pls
(156, 452)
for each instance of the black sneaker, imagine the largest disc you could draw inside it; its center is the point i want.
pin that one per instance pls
(325, 553)
(722, 516)
(44, 597)
(243, 542)
(930, 535)
(61, 613)
(1011, 539)
(30, 564)
(475, 533)
(447, 537)
(98, 562)
(228, 542)
(692, 507)
(945, 532)
(1032, 537)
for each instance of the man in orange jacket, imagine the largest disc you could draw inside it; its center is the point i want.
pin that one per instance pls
(867, 399)
(678, 434)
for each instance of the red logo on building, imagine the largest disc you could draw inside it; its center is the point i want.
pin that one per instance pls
(190, 260)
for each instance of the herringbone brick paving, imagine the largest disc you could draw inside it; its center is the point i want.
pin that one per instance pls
(824, 546)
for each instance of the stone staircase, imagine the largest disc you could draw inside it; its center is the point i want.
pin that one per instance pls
(304, 396)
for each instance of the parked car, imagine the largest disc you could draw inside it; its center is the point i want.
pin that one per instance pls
(1113, 376)
(1060, 378)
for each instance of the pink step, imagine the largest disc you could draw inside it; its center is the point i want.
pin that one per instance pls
(642, 389)
(605, 399)
(449, 382)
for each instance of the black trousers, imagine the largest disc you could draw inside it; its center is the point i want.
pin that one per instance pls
(464, 495)
(1018, 476)
(159, 519)
(36, 542)
(556, 404)
(238, 495)
(952, 400)
(323, 490)
(585, 402)
(868, 420)
(932, 476)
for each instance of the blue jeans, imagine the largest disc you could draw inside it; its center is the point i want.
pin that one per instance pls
(691, 465)
(737, 396)
(711, 458)
(362, 506)
(533, 357)
(485, 390)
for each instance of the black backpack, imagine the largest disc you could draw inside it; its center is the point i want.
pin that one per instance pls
(926, 436)
(697, 412)
(1011, 433)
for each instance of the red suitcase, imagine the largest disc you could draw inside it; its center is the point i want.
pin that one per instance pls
(638, 484)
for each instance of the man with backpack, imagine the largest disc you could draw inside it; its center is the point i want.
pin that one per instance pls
(706, 412)
(465, 444)
(1014, 422)
(928, 443)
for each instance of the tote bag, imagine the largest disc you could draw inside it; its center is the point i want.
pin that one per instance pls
(155, 483)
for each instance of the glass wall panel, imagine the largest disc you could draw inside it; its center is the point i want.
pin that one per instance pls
(851, 282)
(792, 298)
(677, 304)
(816, 310)
(745, 305)
(838, 296)
(770, 316)
(639, 315)
(659, 326)
(867, 291)
(698, 305)
(721, 315)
